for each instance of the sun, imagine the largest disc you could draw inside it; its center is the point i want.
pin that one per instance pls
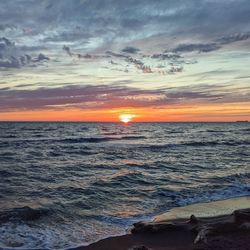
(126, 118)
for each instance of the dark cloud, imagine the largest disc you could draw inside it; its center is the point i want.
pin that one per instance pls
(11, 56)
(136, 62)
(193, 95)
(131, 50)
(10, 63)
(234, 38)
(18, 62)
(67, 50)
(158, 29)
(208, 47)
(5, 42)
(176, 65)
(79, 55)
(114, 21)
(4, 27)
(200, 47)
(113, 63)
(115, 96)
(41, 57)
(166, 56)
(103, 96)
(86, 56)
(144, 68)
(111, 53)
(175, 69)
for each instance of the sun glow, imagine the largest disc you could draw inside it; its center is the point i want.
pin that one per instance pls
(126, 118)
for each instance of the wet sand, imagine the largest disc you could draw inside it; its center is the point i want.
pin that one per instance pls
(172, 241)
(222, 228)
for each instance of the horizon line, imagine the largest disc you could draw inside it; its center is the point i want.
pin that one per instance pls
(68, 121)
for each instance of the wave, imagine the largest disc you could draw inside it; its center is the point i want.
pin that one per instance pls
(231, 191)
(200, 194)
(23, 214)
(130, 178)
(4, 173)
(198, 144)
(123, 180)
(132, 137)
(218, 131)
(74, 152)
(8, 136)
(246, 129)
(100, 139)
(231, 178)
(215, 143)
(86, 140)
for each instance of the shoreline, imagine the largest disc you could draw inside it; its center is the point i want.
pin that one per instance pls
(210, 226)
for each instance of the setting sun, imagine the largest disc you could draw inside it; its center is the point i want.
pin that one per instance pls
(126, 118)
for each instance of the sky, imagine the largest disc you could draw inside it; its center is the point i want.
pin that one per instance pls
(94, 60)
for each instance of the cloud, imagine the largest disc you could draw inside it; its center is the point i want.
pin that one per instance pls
(166, 56)
(234, 38)
(79, 55)
(115, 96)
(99, 24)
(11, 56)
(24, 60)
(125, 39)
(200, 47)
(209, 47)
(4, 42)
(41, 57)
(10, 63)
(111, 53)
(136, 62)
(144, 68)
(67, 50)
(175, 69)
(131, 50)
(44, 98)
(4, 27)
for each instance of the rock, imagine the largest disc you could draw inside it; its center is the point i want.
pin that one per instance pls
(139, 248)
(203, 227)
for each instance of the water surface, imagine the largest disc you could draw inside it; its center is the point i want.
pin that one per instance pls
(92, 180)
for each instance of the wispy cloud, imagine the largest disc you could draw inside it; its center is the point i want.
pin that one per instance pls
(104, 96)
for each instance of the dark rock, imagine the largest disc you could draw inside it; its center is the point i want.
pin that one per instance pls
(205, 228)
(140, 248)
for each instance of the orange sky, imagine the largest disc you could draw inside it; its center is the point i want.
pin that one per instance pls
(222, 112)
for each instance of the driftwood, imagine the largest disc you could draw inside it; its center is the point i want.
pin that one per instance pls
(239, 220)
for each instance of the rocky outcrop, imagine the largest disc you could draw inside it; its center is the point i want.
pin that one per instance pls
(238, 221)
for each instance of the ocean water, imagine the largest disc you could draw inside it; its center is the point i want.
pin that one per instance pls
(88, 181)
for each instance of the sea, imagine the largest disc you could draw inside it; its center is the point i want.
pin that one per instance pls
(64, 185)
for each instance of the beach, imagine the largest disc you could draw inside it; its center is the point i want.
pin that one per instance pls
(222, 225)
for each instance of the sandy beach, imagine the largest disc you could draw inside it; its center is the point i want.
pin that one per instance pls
(209, 226)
